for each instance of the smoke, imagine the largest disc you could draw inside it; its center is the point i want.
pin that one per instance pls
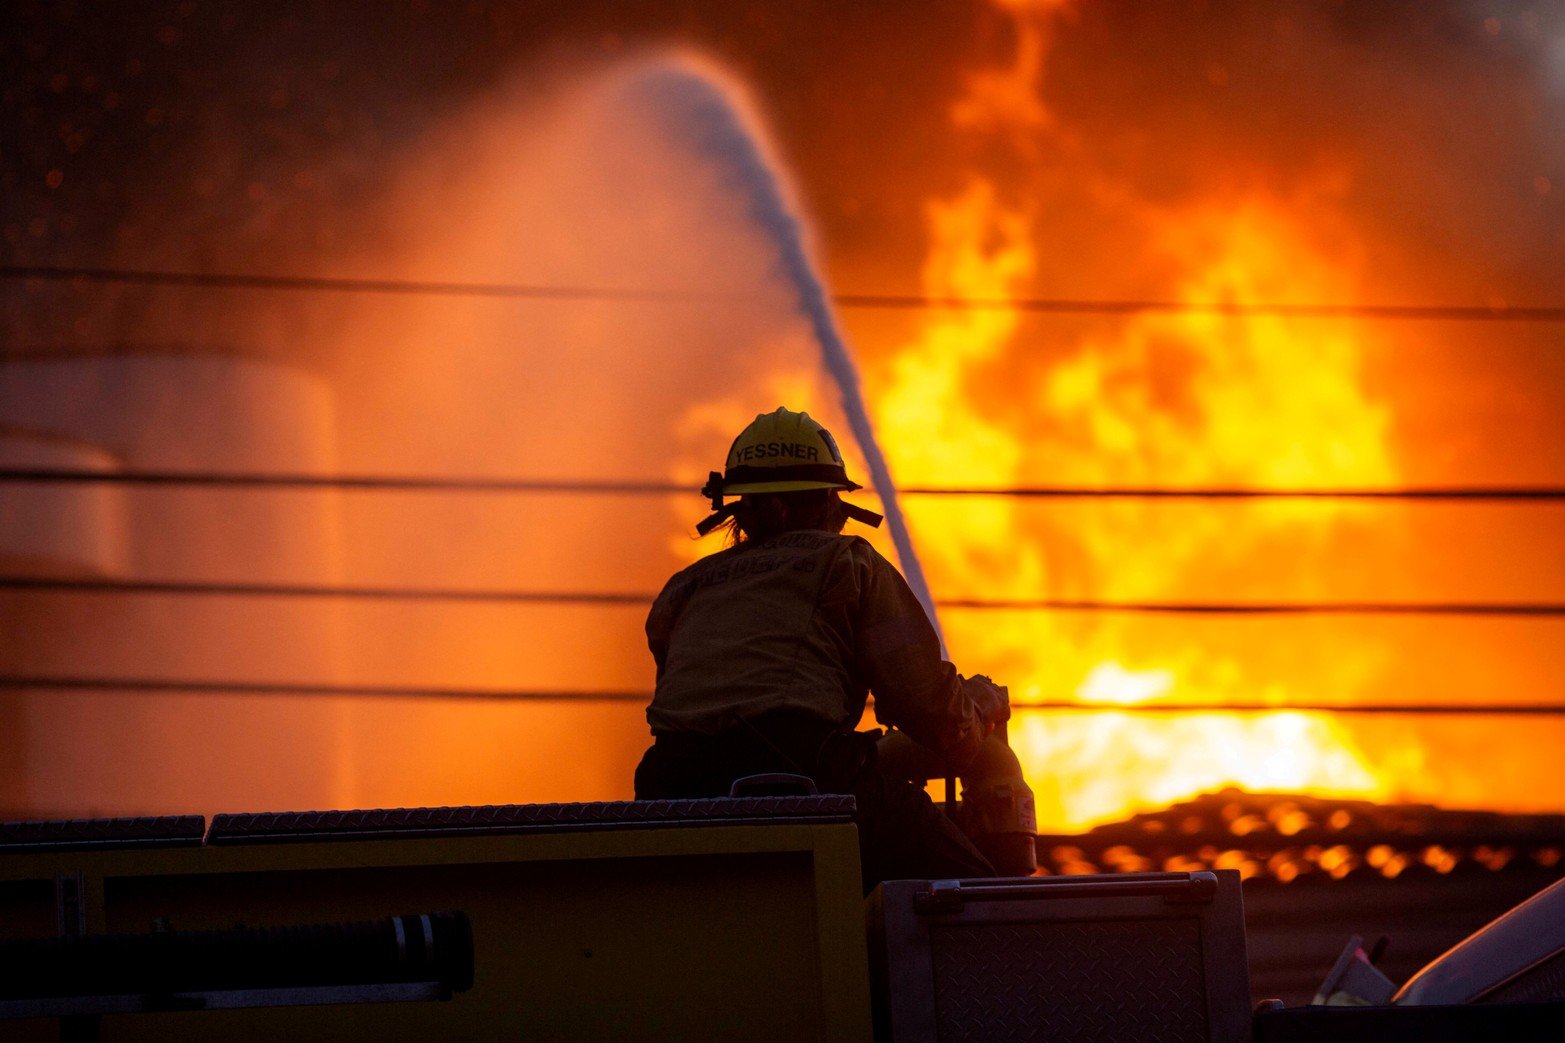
(605, 183)
(608, 181)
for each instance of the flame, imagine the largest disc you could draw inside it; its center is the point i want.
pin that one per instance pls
(1111, 683)
(1004, 99)
(1170, 400)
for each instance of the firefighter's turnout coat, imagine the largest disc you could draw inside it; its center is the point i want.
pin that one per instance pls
(807, 623)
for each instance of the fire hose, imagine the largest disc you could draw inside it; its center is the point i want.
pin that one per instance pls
(996, 810)
(199, 969)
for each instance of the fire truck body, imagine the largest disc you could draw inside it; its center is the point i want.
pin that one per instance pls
(718, 919)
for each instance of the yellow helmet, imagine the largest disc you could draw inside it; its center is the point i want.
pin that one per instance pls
(780, 452)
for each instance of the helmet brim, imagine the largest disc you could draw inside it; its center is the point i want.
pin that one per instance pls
(744, 488)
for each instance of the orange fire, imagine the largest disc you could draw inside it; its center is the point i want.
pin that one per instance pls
(1156, 400)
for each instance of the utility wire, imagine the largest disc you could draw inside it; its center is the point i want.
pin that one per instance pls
(1210, 608)
(217, 687)
(396, 483)
(1417, 709)
(300, 590)
(1226, 309)
(414, 483)
(1436, 493)
(239, 281)
(173, 686)
(902, 302)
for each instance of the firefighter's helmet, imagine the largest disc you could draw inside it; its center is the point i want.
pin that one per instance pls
(780, 452)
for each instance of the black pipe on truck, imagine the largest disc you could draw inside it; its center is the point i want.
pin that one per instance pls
(428, 947)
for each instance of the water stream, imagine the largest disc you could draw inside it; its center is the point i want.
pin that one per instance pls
(698, 107)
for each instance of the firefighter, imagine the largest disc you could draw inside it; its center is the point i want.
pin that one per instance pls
(766, 651)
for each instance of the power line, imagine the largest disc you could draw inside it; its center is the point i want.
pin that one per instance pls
(303, 590)
(398, 483)
(1416, 709)
(1225, 309)
(239, 281)
(903, 302)
(173, 686)
(396, 593)
(1210, 608)
(1427, 493)
(415, 483)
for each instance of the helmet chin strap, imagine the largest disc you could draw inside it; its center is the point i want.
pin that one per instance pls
(862, 514)
(713, 520)
(713, 490)
(723, 513)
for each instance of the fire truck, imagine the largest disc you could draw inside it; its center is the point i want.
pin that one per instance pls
(731, 918)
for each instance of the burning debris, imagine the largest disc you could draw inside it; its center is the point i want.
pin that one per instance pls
(1284, 838)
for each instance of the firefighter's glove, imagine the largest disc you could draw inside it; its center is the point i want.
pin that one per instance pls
(993, 701)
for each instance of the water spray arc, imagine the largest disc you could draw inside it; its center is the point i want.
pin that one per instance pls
(699, 109)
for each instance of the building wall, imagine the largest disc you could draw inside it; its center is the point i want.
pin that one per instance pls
(91, 752)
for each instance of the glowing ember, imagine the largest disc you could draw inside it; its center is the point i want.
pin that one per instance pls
(1299, 837)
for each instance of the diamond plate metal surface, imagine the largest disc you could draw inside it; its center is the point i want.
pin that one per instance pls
(1125, 981)
(86, 833)
(1544, 983)
(526, 818)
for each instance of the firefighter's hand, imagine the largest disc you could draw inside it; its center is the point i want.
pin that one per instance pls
(993, 701)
